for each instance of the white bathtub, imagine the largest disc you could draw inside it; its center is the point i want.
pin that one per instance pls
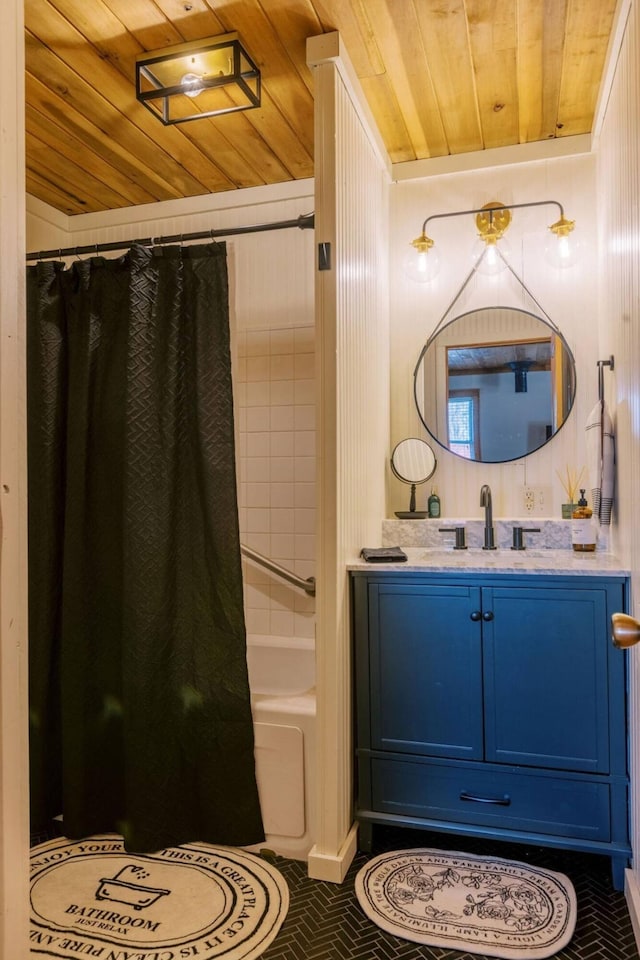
(282, 680)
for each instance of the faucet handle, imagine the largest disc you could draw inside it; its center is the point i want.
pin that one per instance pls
(518, 536)
(459, 532)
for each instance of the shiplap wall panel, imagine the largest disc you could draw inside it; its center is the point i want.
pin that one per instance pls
(14, 745)
(618, 153)
(353, 385)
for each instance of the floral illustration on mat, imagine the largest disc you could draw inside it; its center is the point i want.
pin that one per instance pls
(494, 898)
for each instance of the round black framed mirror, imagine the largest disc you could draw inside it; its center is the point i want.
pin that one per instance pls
(413, 461)
(495, 384)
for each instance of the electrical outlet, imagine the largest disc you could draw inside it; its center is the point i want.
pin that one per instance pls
(537, 500)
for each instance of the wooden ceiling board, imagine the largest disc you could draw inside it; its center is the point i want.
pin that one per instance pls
(588, 28)
(383, 103)
(285, 86)
(349, 18)
(57, 196)
(445, 37)
(408, 73)
(70, 147)
(172, 180)
(58, 166)
(278, 149)
(540, 47)
(442, 77)
(493, 42)
(293, 22)
(120, 114)
(95, 140)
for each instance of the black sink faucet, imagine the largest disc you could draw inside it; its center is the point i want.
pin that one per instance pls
(485, 501)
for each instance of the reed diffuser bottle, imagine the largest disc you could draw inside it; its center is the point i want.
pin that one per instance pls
(583, 537)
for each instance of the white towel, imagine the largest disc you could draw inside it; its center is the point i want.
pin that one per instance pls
(601, 462)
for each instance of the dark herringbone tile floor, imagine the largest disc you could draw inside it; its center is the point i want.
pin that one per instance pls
(325, 921)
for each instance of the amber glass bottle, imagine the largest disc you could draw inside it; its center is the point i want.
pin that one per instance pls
(582, 530)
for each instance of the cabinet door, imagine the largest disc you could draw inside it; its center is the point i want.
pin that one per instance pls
(546, 677)
(426, 669)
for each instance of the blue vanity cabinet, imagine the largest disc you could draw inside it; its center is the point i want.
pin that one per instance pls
(492, 705)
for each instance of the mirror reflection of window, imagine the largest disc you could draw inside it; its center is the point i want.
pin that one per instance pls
(463, 415)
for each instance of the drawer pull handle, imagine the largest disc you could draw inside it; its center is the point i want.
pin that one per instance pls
(476, 615)
(500, 801)
(488, 616)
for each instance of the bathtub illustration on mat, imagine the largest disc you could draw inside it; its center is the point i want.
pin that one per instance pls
(126, 888)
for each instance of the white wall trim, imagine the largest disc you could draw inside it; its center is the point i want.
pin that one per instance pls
(14, 746)
(330, 48)
(616, 40)
(41, 210)
(496, 157)
(632, 894)
(352, 203)
(322, 866)
(250, 197)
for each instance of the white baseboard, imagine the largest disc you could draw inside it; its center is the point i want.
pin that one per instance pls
(333, 867)
(632, 894)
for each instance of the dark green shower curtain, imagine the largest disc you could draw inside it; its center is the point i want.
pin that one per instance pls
(139, 698)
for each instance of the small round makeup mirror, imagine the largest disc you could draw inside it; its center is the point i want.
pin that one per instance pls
(413, 461)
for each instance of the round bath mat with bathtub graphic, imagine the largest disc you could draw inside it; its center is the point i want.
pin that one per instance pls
(486, 905)
(91, 898)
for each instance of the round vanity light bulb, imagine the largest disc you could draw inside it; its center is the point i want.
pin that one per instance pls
(562, 252)
(422, 263)
(490, 258)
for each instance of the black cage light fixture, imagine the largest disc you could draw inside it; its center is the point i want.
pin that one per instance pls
(203, 78)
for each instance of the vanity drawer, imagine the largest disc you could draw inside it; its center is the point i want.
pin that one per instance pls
(492, 797)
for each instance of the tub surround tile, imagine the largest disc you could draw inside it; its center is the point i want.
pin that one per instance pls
(275, 396)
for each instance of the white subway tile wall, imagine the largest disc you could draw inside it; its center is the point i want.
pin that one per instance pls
(275, 416)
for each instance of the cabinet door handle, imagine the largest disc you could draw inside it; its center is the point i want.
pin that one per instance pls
(476, 615)
(487, 616)
(503, 801)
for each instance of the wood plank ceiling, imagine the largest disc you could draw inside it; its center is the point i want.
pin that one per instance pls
(442, 77)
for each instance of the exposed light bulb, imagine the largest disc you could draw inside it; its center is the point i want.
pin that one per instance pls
(561, 249)
(422, 262)
(191, 84)
(488, 258)
(562, 252)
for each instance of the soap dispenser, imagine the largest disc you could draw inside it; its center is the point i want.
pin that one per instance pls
(583, 537)
(433, 504)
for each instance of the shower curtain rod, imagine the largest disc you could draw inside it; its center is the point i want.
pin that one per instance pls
(303, 222)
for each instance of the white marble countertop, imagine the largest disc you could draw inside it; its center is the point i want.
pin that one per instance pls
(504, 560)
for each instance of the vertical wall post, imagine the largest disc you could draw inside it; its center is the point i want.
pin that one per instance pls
(352, 377)
(14, 762)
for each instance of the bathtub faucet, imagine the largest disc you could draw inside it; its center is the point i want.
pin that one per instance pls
(485, 501)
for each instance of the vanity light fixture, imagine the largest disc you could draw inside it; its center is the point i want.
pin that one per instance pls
(203, 78)
(492, 221)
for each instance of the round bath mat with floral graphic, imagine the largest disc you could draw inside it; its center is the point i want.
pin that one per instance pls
(499, 908)
(91, 898)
